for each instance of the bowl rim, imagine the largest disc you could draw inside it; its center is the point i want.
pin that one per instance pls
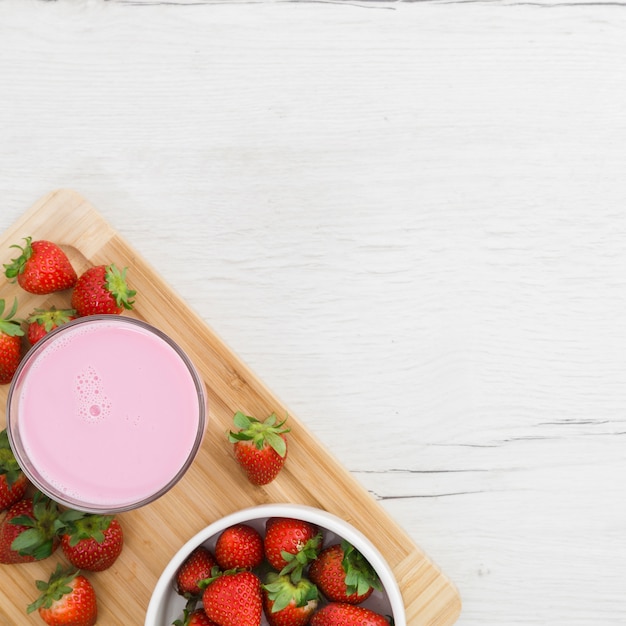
(317, 516)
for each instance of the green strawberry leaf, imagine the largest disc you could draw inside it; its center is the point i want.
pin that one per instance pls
(81, 526)
(22, 520)
(26, 541)
(54, 589)
(117, 286)
(277, 442)
(283, 590)
(8, 325)
(8, 463)
(360, 575)
(16, 265)
(242, 421)
(44, 550)
(70, 515)
(260, 433)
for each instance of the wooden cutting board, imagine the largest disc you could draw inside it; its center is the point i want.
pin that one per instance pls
(214, 486)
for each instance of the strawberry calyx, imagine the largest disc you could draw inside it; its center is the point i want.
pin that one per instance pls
(9, 325)
(260, 433)
(16, 266)
(216, 573)
(296, 562)
(190, 607)
(42, 528)
(282, 591)
(360, 575)
(51, 318)
(80, 526)
(117, 286)
(8, 463)
(57, 586)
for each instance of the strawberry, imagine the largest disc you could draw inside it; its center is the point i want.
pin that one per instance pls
(260, 447)
(29, 530)
(193, 616)
(11, 489)
(239, 546)
(10, 343)
(13, 481)
(196, 567)
(41, 268)
(67, 599)
(234, 598)
(342, 614)
(286, 603)
(343, 574)
(291, 544)
(91, 542)
(42, 321)
(102, 289)
(199, 618)
(196, 618)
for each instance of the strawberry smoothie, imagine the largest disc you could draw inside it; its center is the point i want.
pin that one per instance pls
(105, 413)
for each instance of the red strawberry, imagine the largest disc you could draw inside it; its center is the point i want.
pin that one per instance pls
(343, 574)
(291, 544)
(41, 268)
(67, 599)
(11, 490)
(193, 616)
(239, 546)
(10, 343)
(260, 447)
(234, 599)
(342, 614)
(13, 481)
(29, 530)
(286, 603)
(102, 289)
(91, 542)
(42, 321)
(196, 567)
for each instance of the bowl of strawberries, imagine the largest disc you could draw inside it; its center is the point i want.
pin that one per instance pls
(277, 565)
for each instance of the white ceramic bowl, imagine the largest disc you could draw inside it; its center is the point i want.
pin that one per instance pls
(166, 605)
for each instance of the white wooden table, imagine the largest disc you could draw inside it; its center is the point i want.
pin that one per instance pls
(408, 218)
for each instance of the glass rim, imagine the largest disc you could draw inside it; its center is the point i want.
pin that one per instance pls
(26, 465)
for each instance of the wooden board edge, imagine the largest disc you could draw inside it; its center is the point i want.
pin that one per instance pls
(98, 230)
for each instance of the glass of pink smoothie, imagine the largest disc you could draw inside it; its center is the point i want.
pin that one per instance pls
(105, 414)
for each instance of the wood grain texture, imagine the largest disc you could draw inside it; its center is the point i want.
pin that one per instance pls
(412, 214)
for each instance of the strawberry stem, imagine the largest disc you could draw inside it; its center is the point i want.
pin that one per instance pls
(53, 590)
(79, 526)
(297, 562)
(16, 266)
(252, 429)
(52, 317)
(282, 591)
(360, 575)
(118, 288)
(8, 325)
(8, 463)
(43, 528)
(190, 607)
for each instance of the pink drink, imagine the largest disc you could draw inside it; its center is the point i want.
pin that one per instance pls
(106, 414)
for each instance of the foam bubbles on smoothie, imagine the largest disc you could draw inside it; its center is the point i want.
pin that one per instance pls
(133, 420)
(93, 403)
(60, 342)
